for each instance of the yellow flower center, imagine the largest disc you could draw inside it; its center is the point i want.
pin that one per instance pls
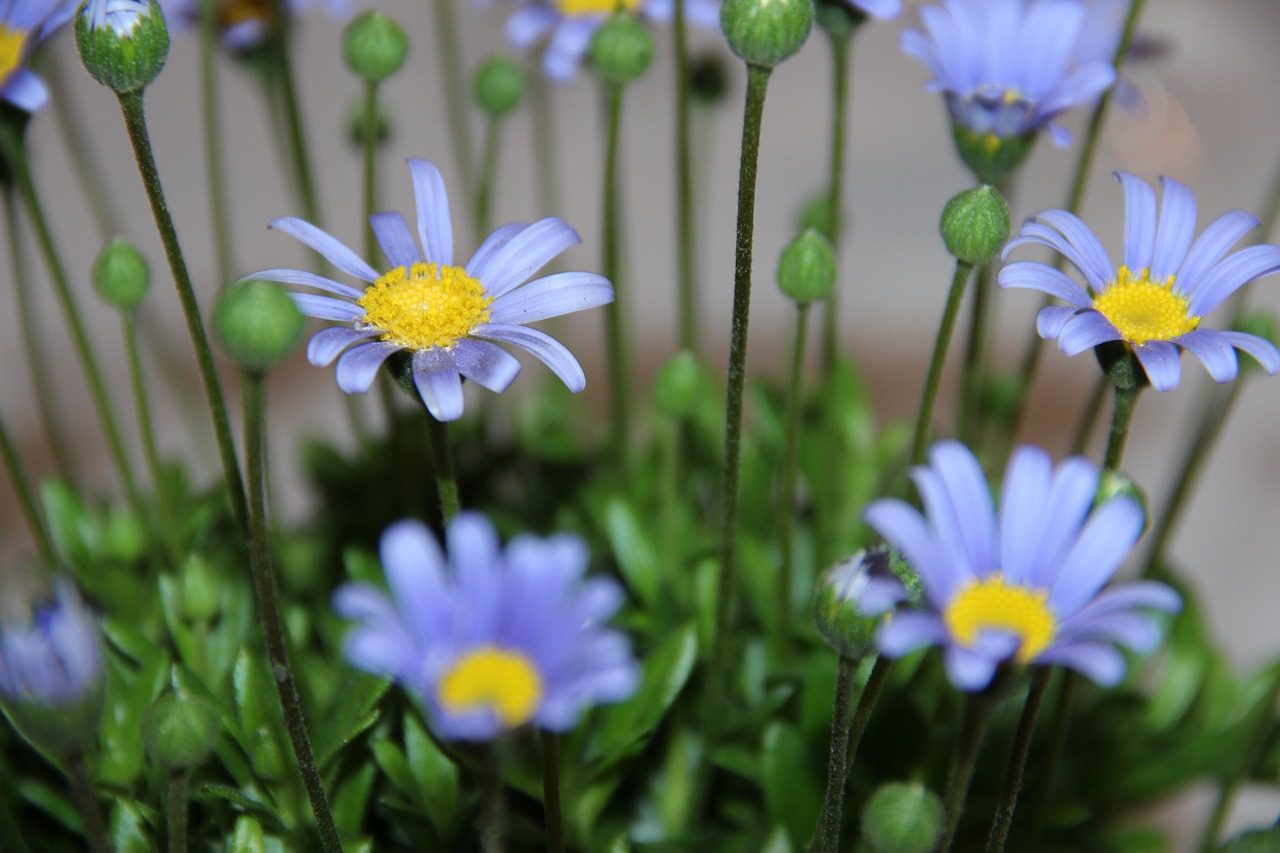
(505, 682)
(425, 306)
(1144, 310)
(232, 12)
(990, 604)
(577, 8)
(11, 45)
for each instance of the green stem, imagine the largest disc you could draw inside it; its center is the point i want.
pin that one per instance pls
(753, 114)
(551, 791)
(178, 810)
(686, 265)
(46, 402)
(13, 147)
(223, 254)
(1057, 747)
(452, 80)
(977, 713)
(370, 171)
(298, 155)
(615, 321)
(837, 770)
(1017, 761)
(934, 379)
(264, 587)
(135, 121)
(975, 352)
(1089, 416)
(840, 42)
(22, 488)
(786, 533)
(547, 171)
(493, 807)
(86, 800)
(442, 461)
(1125, 381)
(488, 174)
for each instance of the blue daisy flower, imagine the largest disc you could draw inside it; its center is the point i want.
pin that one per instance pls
(1155, 300)
(876, 8)
(1026, 585)
(1008, 68)
(23, 25)
(447, 316)
(492, 638)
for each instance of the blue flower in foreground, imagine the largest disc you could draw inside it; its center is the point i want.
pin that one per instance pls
(23, 24)
(1008, 68)
(447, 316)
(1155, 300)
(493, 638)
(569, 24)
(1026, 585)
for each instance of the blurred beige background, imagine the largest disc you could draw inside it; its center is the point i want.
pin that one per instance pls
(1211, 121)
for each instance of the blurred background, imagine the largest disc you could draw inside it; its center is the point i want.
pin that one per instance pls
(1209, 118)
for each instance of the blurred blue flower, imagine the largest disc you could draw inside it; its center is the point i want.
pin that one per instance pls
(1026, 585)
(876, 8)
(492, 638)
(23, 25)
(447, 316)
(1008, 68)
(1154, 301)
(244, 24)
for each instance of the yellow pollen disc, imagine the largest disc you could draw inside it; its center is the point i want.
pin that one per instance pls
(11, 44)
(232, 12)
(1144, 310)
(417, 310)
(575, 8)
(505, 682)
(990, 604)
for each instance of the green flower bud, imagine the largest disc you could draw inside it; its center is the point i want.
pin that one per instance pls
(765, 32)
(126, 49)
(902, 818)
(257, 323)
(120, 274)
(708, 80)
(374, 47)
(247, 836)
(807, 268)
(498, 85)
(179, 729)
(991, 158)
(200, 589)
(1114, 484)
(852, 598)
(837, 18)
(621, 48)
(975, 224)
(124, 538)
(266, 755)
(1260, 322)
(678, 384)
(357, 124)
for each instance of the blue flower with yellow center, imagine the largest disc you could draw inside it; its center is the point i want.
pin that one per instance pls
(448, 316)
(1155, 300)
(24, 24)
(491, 638)
(1026, 585)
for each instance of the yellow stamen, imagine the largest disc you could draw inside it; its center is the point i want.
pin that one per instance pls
(417, 310)
(1144, 310)
(11, 44)
(232, 12)
(576, 8)
(990, 604)
(505, 682)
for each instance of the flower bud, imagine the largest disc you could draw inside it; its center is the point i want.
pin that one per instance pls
(765, 32)
(807, 268)
(708, 80)
(1260, 322)
(257, 323)
(975, 224)
(123, 43)
(850, 599)
(357, 124)
(247, 837)
(902, 818)
(621, 48)
(179, 730)
(124, 537)
(1116, 484)
(200, 590)
(838, 18)
(120, 274)
(678, 384)
(991, 158)
(498, 85)
(374, 47)
(266, 754)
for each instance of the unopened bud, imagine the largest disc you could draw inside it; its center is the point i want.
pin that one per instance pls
(766, 32)
(850, 599)
(807, 268)
(179, 729)
(123, 43)
(975, 224)
(374, 46)
(120, 274)
(621, 48)
(498, 85)
(1117, 484)
(257, 323)
(902, 818)
(678, 385)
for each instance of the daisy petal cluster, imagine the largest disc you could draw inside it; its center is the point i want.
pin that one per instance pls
(449, 317)
(23, 25)
(491, 638)
(1025, 585)
(1155, 300)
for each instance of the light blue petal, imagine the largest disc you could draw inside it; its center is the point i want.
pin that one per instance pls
(395, 239)
(1126, 596)
(326, 308)
(1080, 86)
(1101, 663)
(25, 91)
(359, 365)
(329, 248)
(1230, 274)
(326, 344)
(1135, 631)
(476, 557)
(1107, 538)
(1263, 351)
(542, 346)
(568, 45)
(417, 575)
(1212, 245)
(1046, 279)
(879, 8)
(1052, 318)
(969, 497)
(529, 23)
(525, 253)
(438, 383)
(478, 266)
(1086, 330)
(969, 670)
(1177, 227)
(906, 530)
(1024, 500)
(1067, 235)
(1075, 485)
(1162, 363)
(435, 228)
(551, 296)
(1139, 222)
(909, 631)
(1213, 350)
(485, 364)
(307, 279)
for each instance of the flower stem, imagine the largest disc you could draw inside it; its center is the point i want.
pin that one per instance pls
(370, 170)
(977, 713)
(22, 488)
(840, 42)
(686, 265)
(213, 151)
(934, 379)
(135, 121)
(86, 800)
(264, 586)
(442, 461)
(452, 81)
(1125, 381)
(837, 770)
(975, 352)
(1017, 761)
(298, 155)
(177, 810)
(1057, 746)
(547, 170)
(551, 791)
(786, 531)
(493, 806)
(488, 173)
(753, 114)
(615, 325)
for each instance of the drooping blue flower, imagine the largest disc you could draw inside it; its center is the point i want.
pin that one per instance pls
(23, 25)
(491, 638)
(1156, 299)
(448, 316)
(1025, 585)
(1008, 68)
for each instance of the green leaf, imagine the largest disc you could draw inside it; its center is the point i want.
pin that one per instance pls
(636, 555)
(790, 777)
(351, 798)
(256, 700)
(257, 808)
(436, 777)
(247, 836)
(392, 762)
(123, 755)
(129, 829)
(52, 802)
(357, 710)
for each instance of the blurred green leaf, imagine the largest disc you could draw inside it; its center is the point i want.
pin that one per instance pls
(357, 710)
(637, 558)
(129, 829)
(351, 798)
(792, 791)
(434, 775)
